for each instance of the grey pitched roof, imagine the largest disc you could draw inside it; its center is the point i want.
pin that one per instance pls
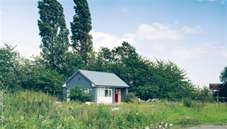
(103, 78)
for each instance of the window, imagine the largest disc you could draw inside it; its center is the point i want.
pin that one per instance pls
(87, 90)
(108, 92)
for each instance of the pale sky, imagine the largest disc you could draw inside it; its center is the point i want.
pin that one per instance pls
(191, 33)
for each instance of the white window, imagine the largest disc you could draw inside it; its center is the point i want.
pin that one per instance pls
(108, 92)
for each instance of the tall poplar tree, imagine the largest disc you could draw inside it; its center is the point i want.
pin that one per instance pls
(80, 27)
(54, 33)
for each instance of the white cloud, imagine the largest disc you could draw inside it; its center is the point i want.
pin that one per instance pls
(157, 31)
(187, 53)
(145, 32)
(225, 54)
(28, 51)
(191, 30)
(102, 39)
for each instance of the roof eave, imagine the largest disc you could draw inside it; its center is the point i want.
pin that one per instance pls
(112, 86)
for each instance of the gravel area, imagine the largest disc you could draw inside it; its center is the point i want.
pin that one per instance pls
(210, 127)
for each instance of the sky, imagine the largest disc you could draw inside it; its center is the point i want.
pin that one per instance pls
(191, 33)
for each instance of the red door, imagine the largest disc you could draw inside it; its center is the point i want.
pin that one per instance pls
(116, 95)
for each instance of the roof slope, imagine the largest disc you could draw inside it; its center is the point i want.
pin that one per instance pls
(103, 78)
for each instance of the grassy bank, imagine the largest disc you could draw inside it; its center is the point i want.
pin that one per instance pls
(32, 110)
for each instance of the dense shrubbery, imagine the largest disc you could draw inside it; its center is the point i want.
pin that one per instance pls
(8, 68)
(79, 95)
(37, 77)
(148, 79)
(17, 73)
(204, 95)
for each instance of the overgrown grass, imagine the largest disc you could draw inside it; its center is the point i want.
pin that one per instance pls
(32, 110)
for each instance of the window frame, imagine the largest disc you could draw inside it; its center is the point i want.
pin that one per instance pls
(108, 92)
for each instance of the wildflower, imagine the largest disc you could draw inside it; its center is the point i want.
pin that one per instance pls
(146, 127)
(166, 125)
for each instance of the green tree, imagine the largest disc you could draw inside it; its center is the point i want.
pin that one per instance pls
(223, 88)
(81, 27)
(129, 65)
(223, 76)
(8, 68)
(103, 60)
(147, 79)
(35, 76)
(74, 62)
(171, 80)
(204, 95)
(54, 33)
(123, 61)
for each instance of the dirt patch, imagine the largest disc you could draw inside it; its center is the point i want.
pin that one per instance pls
(210, 127)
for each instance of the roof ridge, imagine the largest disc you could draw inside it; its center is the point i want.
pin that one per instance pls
(96, 71)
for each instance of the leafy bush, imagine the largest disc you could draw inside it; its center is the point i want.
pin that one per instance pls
(187, 102)
(100, 119)
(37, 77)
(79, 95)
(204, 95)
(131, 97)
(135, 118)
(8, 68)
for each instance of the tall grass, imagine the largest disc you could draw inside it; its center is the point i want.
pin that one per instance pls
(32, 110)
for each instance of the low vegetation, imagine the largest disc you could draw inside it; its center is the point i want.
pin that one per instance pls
(31, 110)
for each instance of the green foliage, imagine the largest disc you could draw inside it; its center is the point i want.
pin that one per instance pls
(148, 91)
(148, 79)
(8, 68)
(134, 118)
(100, 119)
(204, 95)
(188, 121)
(187, 102)
(171, 80)
(19, 73)
(223, 88)
(80, 28)
(33, 110)
(223, 91)
(54, 34)
(79, 95)
(223, 76)
(35, 76)
(72, 64)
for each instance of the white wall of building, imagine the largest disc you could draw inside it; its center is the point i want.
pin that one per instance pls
(101, 98)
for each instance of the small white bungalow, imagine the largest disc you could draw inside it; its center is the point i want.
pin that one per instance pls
(104, 87)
